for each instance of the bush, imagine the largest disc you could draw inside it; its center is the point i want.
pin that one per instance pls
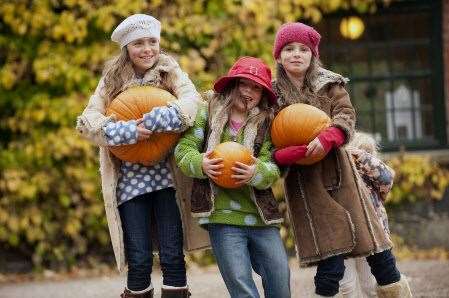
(417, 178)
(51, 57)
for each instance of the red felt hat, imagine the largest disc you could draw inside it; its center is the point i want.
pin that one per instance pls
(250, 68)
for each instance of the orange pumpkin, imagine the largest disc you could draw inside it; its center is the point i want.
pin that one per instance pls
(230, 152)
(298, 124)
(132, 104)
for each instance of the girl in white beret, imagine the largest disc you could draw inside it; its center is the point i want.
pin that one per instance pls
(138, 197)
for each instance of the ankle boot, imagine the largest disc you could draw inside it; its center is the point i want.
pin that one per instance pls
(175, 293)
(399, 289)
(127, 294)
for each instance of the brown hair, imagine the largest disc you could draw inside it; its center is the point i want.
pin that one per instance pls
(290, 92)
(231, 92)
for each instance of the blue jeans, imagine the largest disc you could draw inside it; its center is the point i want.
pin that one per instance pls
(238, 249)
(331, 270)
(137, 215)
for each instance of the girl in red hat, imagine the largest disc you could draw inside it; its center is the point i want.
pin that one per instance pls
(242, 222)
(331, 212)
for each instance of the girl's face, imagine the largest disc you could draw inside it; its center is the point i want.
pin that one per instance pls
(143, 52)
(295, 57)
(250, 95)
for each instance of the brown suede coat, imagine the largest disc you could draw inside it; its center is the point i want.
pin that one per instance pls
(329, 206)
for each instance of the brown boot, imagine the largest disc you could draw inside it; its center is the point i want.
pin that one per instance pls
(399, 289)
(127, 294)
(175, 293)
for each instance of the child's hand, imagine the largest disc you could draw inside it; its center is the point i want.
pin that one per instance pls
(315, 148)
(142, 132)
(244, 172)
(212, 166)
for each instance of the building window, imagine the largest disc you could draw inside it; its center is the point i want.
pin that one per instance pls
(395, 71)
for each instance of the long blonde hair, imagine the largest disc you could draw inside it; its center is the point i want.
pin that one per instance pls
(117, 72)
(290, 92)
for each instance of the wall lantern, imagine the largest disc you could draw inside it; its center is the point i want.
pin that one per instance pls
(352, 27)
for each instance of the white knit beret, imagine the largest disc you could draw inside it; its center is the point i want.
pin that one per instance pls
(135, 27)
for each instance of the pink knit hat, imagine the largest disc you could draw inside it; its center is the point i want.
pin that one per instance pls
(296, 32)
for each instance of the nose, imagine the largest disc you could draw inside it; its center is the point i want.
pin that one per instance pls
(146, 46)
(296, 52)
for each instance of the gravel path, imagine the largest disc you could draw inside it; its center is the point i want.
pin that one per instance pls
(427, 278)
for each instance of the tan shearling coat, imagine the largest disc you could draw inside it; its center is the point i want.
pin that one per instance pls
(166, 74)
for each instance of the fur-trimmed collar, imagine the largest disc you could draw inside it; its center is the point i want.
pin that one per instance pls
(325, 77)
(155, 75)
(219, 114)
(320, 79)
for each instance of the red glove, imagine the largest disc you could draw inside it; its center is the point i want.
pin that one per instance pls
(331, 137)
(290, 155)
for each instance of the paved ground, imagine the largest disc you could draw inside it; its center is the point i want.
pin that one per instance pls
(427, 278)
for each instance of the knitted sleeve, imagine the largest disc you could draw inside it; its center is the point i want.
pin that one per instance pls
(120, 132)
(91, 122)
(187, 153)
(374, 171)
(267, 172)
(163, 119)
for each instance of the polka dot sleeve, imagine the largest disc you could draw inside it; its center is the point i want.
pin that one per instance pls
(120, 132)
(162, 119)
(267, 172)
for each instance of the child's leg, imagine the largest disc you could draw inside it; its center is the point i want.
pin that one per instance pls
(328, 275)
(135, 217)
(169, 226)
(383, 267)
(269, 260)
(230, 246)
(366, 279)
(349, 285)
(390, 282)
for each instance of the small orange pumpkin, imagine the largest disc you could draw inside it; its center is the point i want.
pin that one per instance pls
(298, 124)
(132, 104)
(230, 152)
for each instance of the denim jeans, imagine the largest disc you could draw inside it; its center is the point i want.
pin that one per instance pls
(238, 249)
(331, 270)
(137, 215)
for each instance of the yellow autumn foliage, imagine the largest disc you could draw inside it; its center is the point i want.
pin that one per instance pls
(51, 57)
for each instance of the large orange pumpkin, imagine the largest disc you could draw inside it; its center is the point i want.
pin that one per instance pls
(298, 124)
(230, 152)
(132, 104)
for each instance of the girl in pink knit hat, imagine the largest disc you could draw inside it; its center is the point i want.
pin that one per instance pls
(330, 209)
